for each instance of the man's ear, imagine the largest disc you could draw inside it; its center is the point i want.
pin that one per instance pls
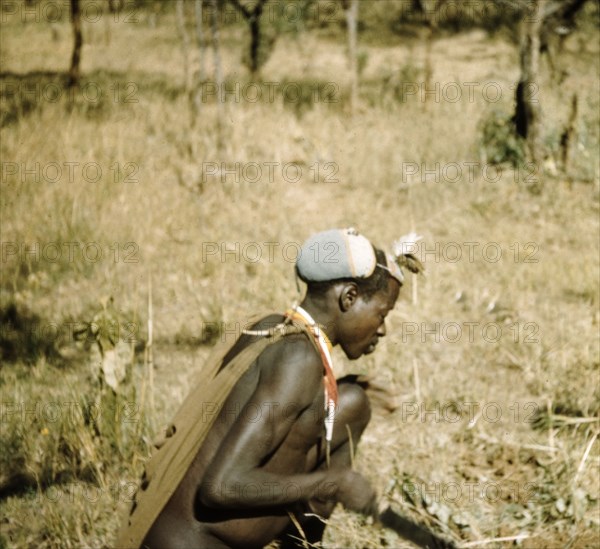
(348, 296)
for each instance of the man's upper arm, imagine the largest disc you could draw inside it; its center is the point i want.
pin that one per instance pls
(290, 373)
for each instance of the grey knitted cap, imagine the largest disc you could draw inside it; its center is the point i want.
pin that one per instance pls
(340, 253)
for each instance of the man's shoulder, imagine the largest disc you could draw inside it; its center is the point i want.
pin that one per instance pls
(294, 355)
(292, 347)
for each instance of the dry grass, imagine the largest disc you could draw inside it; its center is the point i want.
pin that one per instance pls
(533, 472)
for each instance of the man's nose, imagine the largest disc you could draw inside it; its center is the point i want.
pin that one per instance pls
(382, 330)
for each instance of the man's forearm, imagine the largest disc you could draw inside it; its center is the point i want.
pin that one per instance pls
(263, 489)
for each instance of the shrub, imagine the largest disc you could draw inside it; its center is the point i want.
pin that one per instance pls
(499, 141)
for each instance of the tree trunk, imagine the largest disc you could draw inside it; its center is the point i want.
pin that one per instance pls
(202, 57)
(429, 85)
(569, 137)
(185, 43)
(254, 43)
(430, 14)
(351, 9)
(200, 41)
(77, 43)
(255, 57)
(115, 6)
(214, 29)
(528, 111)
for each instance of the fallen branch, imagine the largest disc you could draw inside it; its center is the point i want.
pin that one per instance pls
(481, 542)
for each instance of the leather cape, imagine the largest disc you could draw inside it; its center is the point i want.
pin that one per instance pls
(186, 433)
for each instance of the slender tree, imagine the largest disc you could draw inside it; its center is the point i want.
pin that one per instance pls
(351, 9)
(74, 73)
(259, 45)
(528, 110)
(215, 40)
(115, 6)
(569, 136)
(185, 43)
(430, 12)
(200, 74)
(200, 42)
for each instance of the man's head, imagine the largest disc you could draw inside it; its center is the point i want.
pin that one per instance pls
(354, 283)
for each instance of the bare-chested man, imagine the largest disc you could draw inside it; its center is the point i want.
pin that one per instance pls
(279, 450)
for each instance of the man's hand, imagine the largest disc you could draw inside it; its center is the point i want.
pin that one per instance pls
(355, 492)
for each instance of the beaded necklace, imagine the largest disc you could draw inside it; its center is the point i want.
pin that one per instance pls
(298, 314)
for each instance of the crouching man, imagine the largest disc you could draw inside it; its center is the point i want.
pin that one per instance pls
(263, 447)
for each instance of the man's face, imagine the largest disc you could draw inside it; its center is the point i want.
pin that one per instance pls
(364, 321)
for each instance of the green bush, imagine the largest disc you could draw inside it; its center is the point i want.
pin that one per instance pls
(499, 141)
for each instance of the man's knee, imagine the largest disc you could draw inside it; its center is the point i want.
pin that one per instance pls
(354, 405)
